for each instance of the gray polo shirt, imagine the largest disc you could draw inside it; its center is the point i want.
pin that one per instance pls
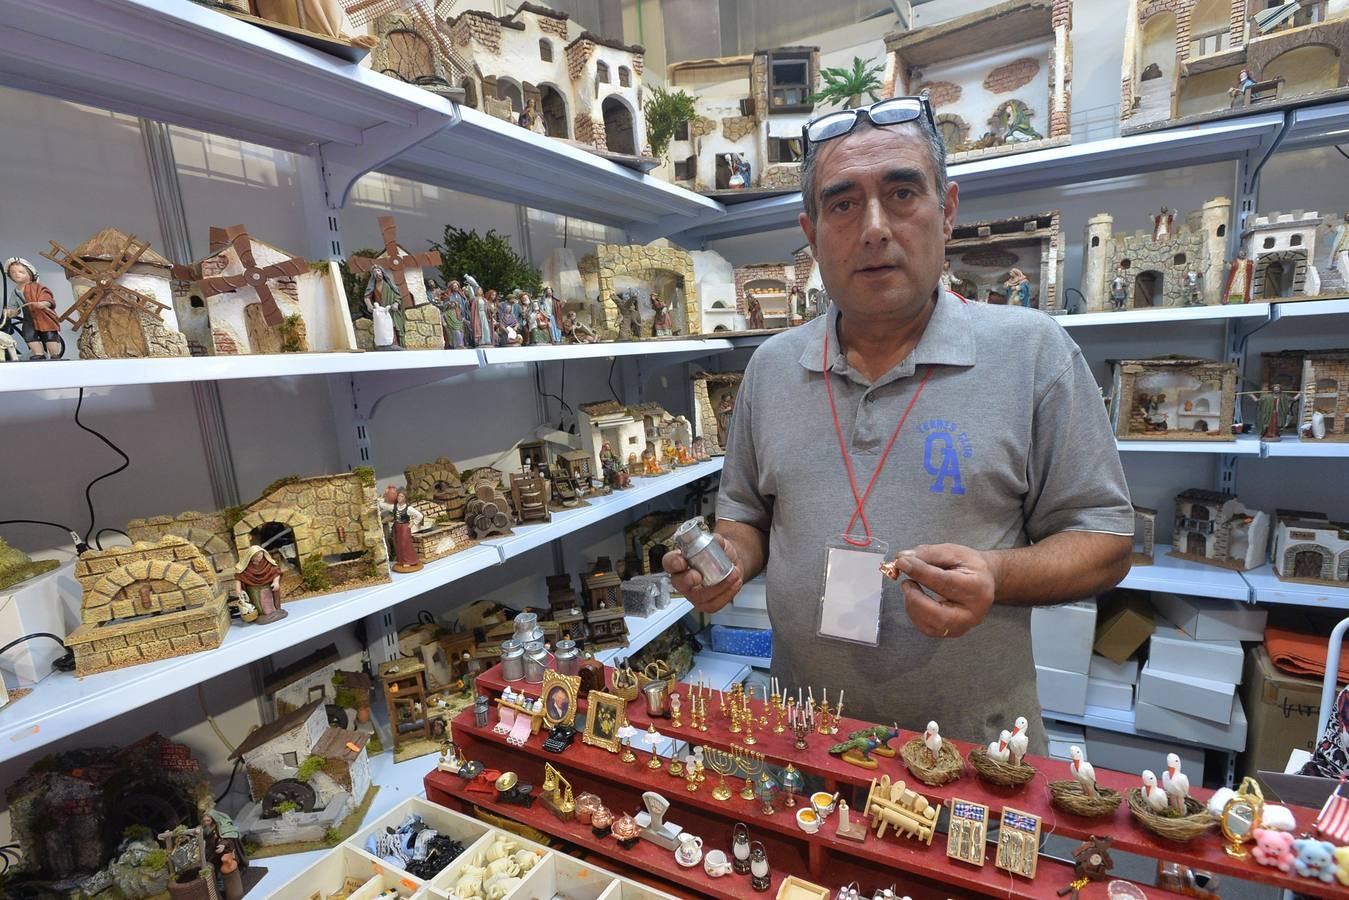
(1008, 443)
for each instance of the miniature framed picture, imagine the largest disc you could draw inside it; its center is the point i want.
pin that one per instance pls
(605, 715)
(559, 698)
(1018, 843)
(966, 833)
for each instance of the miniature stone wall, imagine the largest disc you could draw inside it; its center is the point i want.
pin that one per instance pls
(206, 531)
(704, 409)
(426, 329)
(733, 128)
(1012, 75)
(702, 126)
(1198, 238)
(1321, 365)
(1290, 560)
(422, 478)
(616, 260)
(329, 515)
(476, 25)
(781, 176)
(159, 341)
(940, 93)
(578, 57)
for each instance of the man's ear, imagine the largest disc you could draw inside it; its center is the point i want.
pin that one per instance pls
(952, 202)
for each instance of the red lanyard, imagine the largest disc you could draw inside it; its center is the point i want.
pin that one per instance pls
(847, 460)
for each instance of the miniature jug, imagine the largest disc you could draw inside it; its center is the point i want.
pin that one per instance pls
(656, 694)
(536, 662)
(716, 864)
(527, 628)
(512, 660)
(566, 658)
(690, 851)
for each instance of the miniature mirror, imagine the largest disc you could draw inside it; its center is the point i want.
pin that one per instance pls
(1241, 816)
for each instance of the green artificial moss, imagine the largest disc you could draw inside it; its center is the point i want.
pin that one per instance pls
(332, 837)
(309, 768)
(366, 474)
(284, 807)
(15, 566)
(155, 860)
(314, 573)
(290, 334)
(137, 832)
(279, 483)
(345, 698)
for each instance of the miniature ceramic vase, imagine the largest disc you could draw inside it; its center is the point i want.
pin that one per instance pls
(690, 850)
(740, 849)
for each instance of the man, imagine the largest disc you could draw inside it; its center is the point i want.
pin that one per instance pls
(1002, 491)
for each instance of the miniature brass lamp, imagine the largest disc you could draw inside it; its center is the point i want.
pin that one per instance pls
(766, 789)
(1241, 816)
(792, 783)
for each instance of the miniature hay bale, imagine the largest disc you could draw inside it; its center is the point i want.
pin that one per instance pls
(1003, 774)
(1069, 797)
(948, 768)
(1173, 827)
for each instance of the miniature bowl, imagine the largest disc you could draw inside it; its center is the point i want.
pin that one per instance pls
(823, 803)
(808, 820)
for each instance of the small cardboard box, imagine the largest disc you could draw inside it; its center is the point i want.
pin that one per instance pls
(1060, 691)
(1103, 669)
(1172, 650)
(1132, 754)
(1200, 697)
(1167, 722)
(1209, 619)
(1061, 636)
(1123, 624)
(1063, 736)
(1109, 694)
(1281, 710)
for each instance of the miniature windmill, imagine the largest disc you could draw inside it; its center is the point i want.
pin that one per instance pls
(428, 13)
(254, 276)
(393, 261)
(104, 276)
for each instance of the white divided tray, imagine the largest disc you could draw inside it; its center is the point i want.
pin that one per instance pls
(555, 874)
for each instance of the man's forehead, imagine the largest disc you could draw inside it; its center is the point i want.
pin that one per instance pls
(872, 151)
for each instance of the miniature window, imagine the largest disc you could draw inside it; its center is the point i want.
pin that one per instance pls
(1222, 230)
(602, 72)
(624, 76)
(789, 82)
(197, 302)
(1295, 241)
(1268, 244)
(686, 169)
(1126, 262)
(632, 439)
(784, 150)
(1178, 259)
(290, 759)
(1096, 240)
(682, 131)
(545, 50)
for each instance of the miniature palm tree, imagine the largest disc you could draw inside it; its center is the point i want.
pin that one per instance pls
(846, 86)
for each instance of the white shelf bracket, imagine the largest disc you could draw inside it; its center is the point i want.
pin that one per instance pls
(343, 165)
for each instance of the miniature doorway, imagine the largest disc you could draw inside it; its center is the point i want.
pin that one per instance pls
(619, 134)
(1307, 564)
(1276, 274)
(1196, 544)
(470, 92)
(509, 90)
(279, 541)
(553, 107)
(1148, 289)
(120, 328)
(723, 176)
(1304, 70)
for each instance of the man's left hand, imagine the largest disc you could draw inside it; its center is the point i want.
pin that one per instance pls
(960, 586)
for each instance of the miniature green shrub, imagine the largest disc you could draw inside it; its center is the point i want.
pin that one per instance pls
(332, 837)
(489, 258)
(309, 768)
(233, 515)
(339, 679)
(136, 832)
(366, 474)
(284, 807)
(290, 334)
(345, 698)
(314, 573)
(280, 482)
(665, 112)
(156, 860)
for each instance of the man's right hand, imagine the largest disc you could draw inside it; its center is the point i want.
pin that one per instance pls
(689, 582)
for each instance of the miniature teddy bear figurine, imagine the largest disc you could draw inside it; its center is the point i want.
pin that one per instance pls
(1274, 849)
(1342, 865)
(1315, 859)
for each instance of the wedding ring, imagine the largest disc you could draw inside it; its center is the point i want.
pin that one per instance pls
(946, 633)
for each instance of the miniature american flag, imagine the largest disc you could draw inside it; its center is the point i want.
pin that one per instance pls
(1333, 823)
(971, 811)
(1018, 821)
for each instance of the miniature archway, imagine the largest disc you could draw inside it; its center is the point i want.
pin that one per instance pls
(1342, 567)
(954, 130)
(1304, 69)
(1306, 561)
(509, 89)
(270, 519)
(1157, 46)
(1003, 122)
(615, 261)
(620, 132)
(169, 583)
(553, 108)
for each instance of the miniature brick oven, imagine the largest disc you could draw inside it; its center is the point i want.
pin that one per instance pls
(1326, 372)
(144, 603)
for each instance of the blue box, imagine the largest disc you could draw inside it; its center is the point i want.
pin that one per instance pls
(756, 642)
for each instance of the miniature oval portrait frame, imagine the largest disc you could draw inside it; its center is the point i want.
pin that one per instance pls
(559, 694)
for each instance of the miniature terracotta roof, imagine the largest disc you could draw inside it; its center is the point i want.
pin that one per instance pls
(359, 682)
(108, 244)
(1003, 25)
(273, 730)
(305, 665)
(333, 744)
(607, 42)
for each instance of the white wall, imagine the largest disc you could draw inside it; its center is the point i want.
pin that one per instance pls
(977, 104)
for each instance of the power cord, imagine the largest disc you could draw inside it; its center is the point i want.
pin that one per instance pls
(1341, 150)
(613, 361)
(65, 663)
(88, 490)
(80, 545)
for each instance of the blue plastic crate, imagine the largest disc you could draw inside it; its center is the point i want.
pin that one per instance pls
(756, 642)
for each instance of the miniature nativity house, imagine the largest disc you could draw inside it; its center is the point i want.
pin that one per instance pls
(1153, 264)
(1214, 528)
(615, 269)
(1325, 397)
(146, 602)
(587, 89)
(251, 297)
(714, 399)
(123, 297)
(319, 676)
(423, 328)
(1145, 531)
(999, 79)
(750, 109)
(1282, 250)
(983, 254)
(412, 47)
(627, 429)
(1310, 547)
(1173, 399)
(304, 777)
(1191, 60)
(436, 490)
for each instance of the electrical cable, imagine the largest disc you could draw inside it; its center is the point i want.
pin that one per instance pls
(613, 361)
(230, 784)
(80, 545)
(65, 663)
(88, 490)
(1341, 150)
(98, 536)
(210, 720)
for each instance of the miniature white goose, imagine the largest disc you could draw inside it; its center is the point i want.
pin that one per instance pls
(932, 740)
(1155, 796)
(1175, 783)
(998, 749)
(1083, 772)
(1019, 741)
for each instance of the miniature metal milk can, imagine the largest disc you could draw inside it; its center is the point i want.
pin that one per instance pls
(566, 658)
(656, 691)
(536, 662)
(527, 628)
(512, 660)
(702, 552)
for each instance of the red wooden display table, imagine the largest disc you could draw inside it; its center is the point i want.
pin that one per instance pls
(824, 852)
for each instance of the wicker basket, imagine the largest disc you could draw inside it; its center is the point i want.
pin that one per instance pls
(627, 691)
(1003, 774)
(1069, 797)
(1174, 828)
(948, 768)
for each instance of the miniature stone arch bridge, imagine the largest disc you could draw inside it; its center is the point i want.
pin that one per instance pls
(286, 518)
(642, 263)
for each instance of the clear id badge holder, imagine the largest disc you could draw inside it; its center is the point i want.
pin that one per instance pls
(850, 595)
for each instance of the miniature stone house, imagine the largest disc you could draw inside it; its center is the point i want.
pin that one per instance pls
(1309, 547)
(1282, 247)
(1215, 528)
(710, 422)
(144, 603)
(1173, 399)
(231, 323)
(208, 532)
(1183, 59)
(117, 330)
(628, 429)
(320, 794)
(983, 253)
(1154, 269)
(999, 79)
(750, 110)
(1145, 529)
(587, 89)
(316, 677)
(658, 266)
(1325, 386)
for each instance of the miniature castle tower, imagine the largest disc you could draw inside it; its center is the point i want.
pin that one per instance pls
(1282, 247)
(1095, 279)
(1213, 219)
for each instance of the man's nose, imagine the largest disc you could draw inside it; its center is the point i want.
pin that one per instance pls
(875, 224)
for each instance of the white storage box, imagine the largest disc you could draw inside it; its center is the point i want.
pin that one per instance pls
(1172, 650)
(1103, 669)
(1060, 691)
(1160, 721)
(560, 874)
(1132, 754)
(1109, 694)
(347, 865)
(1061, 636)
(1200, 697)
(1208, 619)
(49, 602)
(1062, 736)
(467, 831)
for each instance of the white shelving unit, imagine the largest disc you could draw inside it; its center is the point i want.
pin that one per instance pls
(1244, 445)
(642, 631)
(1167, 315)
(1181, 576)
(1266, 587)
(1292, 447)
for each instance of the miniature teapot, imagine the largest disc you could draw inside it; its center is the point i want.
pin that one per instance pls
(690, 850)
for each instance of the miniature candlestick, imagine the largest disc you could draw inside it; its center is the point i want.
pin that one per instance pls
(702, 713)
(723, 763)
(735, 722)
(779, 713)
(748, 739)
(676, 767)
(698, 768)
(753, 766)
(691, 777)
(801, 729)
(675, 707)
(628, 756)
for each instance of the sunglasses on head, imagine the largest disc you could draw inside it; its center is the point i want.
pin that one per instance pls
(894, 111)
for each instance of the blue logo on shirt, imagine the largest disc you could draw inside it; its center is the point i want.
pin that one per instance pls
(941, 458)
